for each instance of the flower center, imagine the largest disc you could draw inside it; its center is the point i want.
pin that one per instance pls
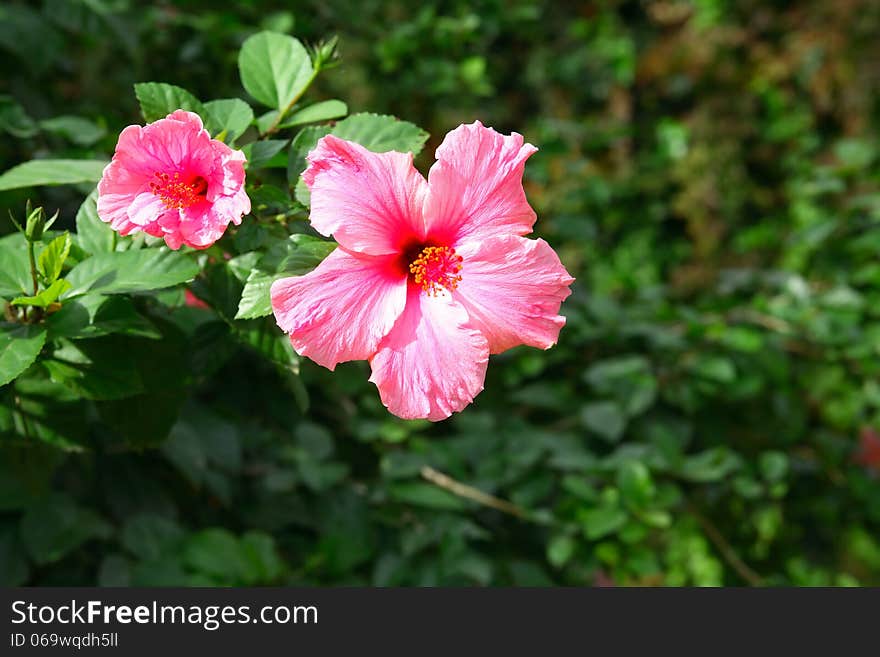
(436, 269)
(177, 193)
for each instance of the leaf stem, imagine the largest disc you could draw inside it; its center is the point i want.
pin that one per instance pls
(272, 129)
(33, 267)
(725, 548)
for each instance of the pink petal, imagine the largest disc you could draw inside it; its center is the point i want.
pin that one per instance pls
(370, 202)
(146, 208)
(512, 288)
(200, 225)
(476, 187)
(431, 364)
(342, 309)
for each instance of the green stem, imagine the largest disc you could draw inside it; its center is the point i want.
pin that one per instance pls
(33, 266)
(272, 129)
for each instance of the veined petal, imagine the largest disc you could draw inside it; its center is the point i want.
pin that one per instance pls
(432, 363)
(476, 187)
(342, 309)
(369, 202)
(512, 288)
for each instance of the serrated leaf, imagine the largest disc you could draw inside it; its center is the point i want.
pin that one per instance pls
(131, 271)
(52, 257)
(46, 297)
(381, 133)
(275, 68)
(297, 255)
(19, 348)
(231, 116)
(93, 235)
(93, 315)
(52, 172)
(102, 369)
(158, 100)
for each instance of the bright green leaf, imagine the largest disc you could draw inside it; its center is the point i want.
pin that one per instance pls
(323, 111)
(131, 271)
(93, 235)
(46, 297)
(158, 100)
(293, 257)
(275, 68)
(52, 257)
(381, 133)
(229, 115)
(52, 172)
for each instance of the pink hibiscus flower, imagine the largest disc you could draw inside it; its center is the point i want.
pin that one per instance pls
(431, 276)
(169, 179)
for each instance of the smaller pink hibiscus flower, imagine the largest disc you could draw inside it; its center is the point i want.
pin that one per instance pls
(169, 179)
(431, 276)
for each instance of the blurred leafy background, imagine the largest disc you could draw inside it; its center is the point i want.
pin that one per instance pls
(711, 415)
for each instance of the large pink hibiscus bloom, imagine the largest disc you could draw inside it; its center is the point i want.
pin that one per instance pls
(431, 276)
(169, 179)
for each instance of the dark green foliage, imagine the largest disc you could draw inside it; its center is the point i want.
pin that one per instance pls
(707, 172)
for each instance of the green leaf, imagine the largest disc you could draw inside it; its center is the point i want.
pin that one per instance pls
(131, 271)
(601, 521)
(304, 142)
(93, 235)
(605, 418)
(381, 133)
(628, 379)
(635, 484)
(52, 172)
(560, 550)
(19, 348)
(426, 495)
(315, 113)
(711, 465)
(263, 154)
(158, 100)
(148, 535)
(275, 68)
(15, 568)
(229, 115)
(15, 272)
(50, 412)
(216, 553)
(94, 315)
(52, 257)
(297, 255)
(14, 119)
(75, 129)
(56, 526)
(268, 340)
(46, 297)
(263, 565)
(102, 368)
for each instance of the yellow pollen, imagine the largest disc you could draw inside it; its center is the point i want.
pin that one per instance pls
(436, 269)
(177, 193)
